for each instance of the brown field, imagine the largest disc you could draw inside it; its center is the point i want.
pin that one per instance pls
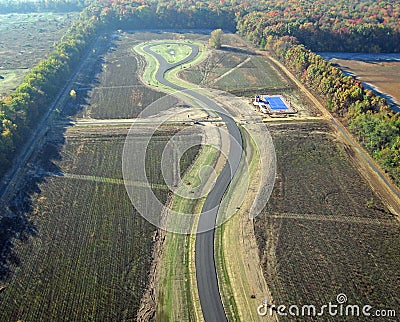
(86, 254)
(234, 68)
(110, 88)
(76, 248)
(317, 237)
(385, 76)
(86, 248)
(25, 40)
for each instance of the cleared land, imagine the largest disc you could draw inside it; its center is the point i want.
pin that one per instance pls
(77, 249)
(385, 76)
(25, 40)
(324, 231)
(238, 69)
(80, 251)
(109, 88)
(89, 252)
(235, 68)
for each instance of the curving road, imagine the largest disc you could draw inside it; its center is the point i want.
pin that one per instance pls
(207, 281)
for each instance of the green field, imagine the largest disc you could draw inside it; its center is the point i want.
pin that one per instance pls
(172, 53)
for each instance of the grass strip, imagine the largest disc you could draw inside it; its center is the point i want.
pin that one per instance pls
(173, 52)
(178, 298)
(224, 245)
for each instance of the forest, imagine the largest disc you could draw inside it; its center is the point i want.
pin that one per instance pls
(289, 29)
(349, 26)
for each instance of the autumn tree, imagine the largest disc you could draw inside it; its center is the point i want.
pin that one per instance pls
(215, 39)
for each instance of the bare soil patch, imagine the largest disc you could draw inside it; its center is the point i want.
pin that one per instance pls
(318, 237)
(89, 252)
(385, 76)
(109, 87)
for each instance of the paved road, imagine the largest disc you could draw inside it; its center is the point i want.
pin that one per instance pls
(207, 281)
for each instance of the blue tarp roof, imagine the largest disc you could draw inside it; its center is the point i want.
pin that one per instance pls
(276, 103)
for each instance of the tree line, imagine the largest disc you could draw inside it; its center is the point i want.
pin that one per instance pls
(21, 111)
(284, 27)
(139, 14)
(368, 116)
